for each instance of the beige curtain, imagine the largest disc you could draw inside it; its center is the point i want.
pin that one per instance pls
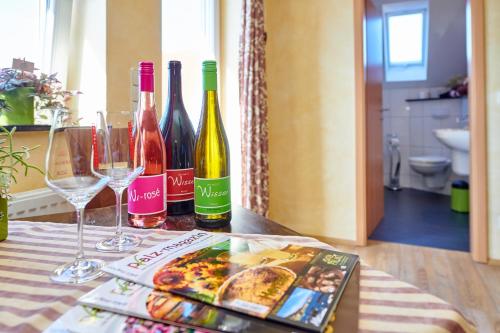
(253, 108)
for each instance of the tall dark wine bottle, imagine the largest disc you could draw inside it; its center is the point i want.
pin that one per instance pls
(212, 187)
(178, 135)
(147, 194)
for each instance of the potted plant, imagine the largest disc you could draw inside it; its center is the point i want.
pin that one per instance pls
(23, 93)
(12, 161)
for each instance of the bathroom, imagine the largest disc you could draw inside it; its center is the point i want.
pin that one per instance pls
(425, 121)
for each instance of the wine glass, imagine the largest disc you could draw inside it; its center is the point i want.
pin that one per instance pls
(68, 173)
(114, 158)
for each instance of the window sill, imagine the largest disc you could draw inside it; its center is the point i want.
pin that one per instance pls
(29, 128)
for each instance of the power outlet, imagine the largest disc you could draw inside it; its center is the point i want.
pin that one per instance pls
(498, 223)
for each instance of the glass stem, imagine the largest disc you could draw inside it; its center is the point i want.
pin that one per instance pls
(79, 219)
(119, 195)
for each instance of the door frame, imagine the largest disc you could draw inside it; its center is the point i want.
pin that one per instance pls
(477, 125)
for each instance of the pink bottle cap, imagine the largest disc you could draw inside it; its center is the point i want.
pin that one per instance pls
(146, 76)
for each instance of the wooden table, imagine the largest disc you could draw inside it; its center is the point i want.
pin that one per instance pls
(244, 221)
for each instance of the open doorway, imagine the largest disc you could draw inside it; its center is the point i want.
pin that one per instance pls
(418, 59)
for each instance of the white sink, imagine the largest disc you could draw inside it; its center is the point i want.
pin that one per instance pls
(458, 140)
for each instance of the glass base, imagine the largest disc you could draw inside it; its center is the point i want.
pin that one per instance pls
(79, 271)
(121, 243)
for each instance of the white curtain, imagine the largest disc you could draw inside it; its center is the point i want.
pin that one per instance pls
(55, 36)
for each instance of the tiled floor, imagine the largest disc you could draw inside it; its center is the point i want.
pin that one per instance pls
(422, 218)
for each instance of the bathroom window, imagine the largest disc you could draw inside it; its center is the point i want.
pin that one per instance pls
(406, 31)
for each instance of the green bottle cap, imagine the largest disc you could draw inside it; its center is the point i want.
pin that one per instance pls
(209, 69)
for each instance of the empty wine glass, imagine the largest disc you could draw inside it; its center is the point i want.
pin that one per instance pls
(69, 174)
(113, 158)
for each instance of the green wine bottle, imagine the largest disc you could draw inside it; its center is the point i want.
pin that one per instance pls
(212, 186)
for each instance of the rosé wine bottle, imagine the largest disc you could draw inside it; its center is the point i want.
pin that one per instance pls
(147, 195)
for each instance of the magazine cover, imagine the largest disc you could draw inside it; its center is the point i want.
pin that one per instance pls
(83, 319)
(128, 298)
(268, 279)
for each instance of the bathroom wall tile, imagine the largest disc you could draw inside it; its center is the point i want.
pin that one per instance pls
(399, 107)
(442, 111)
(455, 105)
(446, 152)
(464, 106)
(430, 124)
(386, 179)
(416, 151)
(432, 151)
(386, 127)
(386, 98)
(412, 93)
(431, 108)
(386, 159)
(417, 181)
(401, 127)
(405, 181)
(416, 132)
(450, 122)
(416, 109)
(405, 165)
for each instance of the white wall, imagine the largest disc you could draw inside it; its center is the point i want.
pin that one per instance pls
(414, 123)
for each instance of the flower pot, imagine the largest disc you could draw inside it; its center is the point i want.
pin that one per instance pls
(20, 102)
(4, 218)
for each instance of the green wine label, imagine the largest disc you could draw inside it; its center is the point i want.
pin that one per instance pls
(212, 195)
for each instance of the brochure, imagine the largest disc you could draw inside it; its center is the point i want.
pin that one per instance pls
(83, 319)
(269, 279)
(128, 298)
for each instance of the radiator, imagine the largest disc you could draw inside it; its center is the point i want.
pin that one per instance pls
(37, 202)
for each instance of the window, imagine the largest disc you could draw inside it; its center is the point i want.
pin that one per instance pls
(37, 31)
(190, 33)
(21, 22)
(405, 41)
(189, 30)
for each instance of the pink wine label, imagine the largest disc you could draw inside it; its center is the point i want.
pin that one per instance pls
(147, 195)
(180, 185)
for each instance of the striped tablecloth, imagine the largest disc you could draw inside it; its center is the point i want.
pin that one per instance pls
(29, 302)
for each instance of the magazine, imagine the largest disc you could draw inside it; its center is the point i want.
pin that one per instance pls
(128, 298)
(83, 319)
(268, 279)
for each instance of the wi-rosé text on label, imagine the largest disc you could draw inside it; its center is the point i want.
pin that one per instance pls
(147, 194)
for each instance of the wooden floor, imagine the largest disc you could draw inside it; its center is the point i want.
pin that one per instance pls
(451, 275)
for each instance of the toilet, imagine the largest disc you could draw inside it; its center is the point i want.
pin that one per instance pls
(435, 169)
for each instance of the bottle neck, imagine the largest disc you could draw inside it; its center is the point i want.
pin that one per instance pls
(146, 93)
(146, 100)
(175, 86)
(211, 106)
(211, 109)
